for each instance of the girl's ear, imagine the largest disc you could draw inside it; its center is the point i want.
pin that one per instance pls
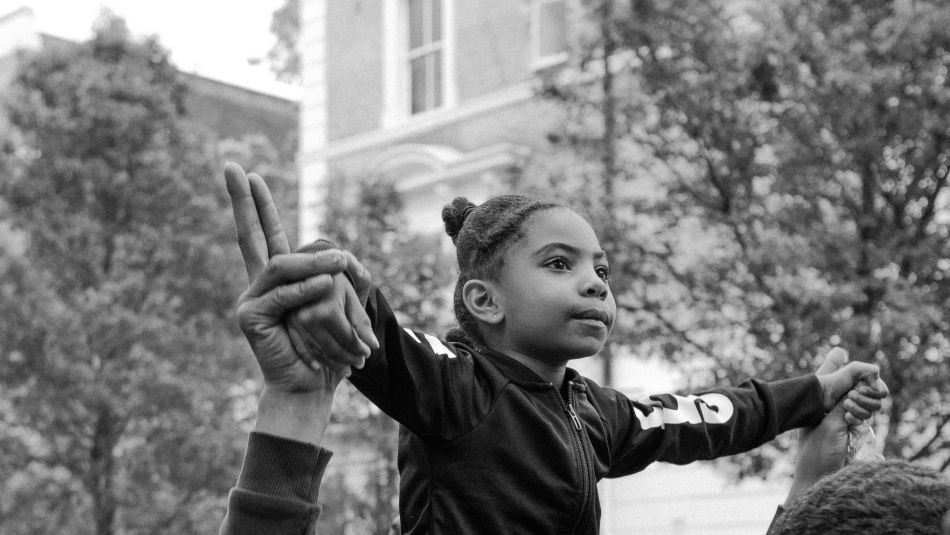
(480, 299)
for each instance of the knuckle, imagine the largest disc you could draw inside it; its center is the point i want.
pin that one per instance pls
(282, 295)
(315, 313)
(305, 315)
(244, 314)
(320, 283)
(323, 310)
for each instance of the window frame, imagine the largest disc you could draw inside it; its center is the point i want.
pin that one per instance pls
(397, 83)
(541, 61)
(433, 99)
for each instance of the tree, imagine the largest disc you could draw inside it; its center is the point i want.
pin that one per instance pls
(796, 159)
(284, 56)
(121, 364)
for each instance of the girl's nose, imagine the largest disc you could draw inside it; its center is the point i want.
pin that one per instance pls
(595, 286)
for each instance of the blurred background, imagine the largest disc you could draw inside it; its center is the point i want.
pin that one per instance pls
(768, 180)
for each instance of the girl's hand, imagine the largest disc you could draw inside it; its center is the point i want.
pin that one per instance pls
(823, 449)
(326, 330)
(856, 385)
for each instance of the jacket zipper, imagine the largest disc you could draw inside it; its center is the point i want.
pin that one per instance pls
(585, 462)
(574, 418)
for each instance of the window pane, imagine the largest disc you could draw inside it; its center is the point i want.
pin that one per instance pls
(416, 23)
(436, 20)
(418, 81)
(552, 28)
(436, 70)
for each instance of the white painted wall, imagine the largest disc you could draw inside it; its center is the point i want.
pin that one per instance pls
(313, 116)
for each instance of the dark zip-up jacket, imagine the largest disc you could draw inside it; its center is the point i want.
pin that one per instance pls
(487, 446)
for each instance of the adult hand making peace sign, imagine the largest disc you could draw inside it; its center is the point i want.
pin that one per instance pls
(288, 291)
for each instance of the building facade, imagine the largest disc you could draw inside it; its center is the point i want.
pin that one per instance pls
(435, 95)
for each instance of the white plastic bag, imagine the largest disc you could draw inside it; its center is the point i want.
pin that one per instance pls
(862, 444)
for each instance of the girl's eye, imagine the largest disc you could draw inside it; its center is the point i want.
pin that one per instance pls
(558, 263)
(603, 272)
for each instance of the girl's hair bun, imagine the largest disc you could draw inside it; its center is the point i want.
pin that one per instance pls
(454, 215)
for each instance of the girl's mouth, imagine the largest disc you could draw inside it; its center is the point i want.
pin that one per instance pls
(593, 314)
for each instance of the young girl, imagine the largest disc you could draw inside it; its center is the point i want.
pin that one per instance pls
(498, 435)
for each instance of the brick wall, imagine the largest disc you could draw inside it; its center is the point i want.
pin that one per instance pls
(354, 66)
(492, 46)
(492, 53)
(234, 112)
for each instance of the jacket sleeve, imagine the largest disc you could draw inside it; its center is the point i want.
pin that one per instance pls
(426, 385)
(429, 386)
(277, 490)
(715, 423)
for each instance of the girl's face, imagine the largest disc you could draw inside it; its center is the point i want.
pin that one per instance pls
(553, 290)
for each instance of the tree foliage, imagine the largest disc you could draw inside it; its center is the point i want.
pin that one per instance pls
(117, 410)
(784, 178)
(284, 56)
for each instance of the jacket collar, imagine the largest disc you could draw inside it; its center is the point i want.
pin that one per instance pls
(518, 372)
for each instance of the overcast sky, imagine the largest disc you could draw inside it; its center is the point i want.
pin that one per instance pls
(214, 38)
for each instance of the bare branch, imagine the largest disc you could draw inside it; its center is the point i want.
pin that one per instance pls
(945, 464)
(930, 208)
(672, 329)
(925, 449)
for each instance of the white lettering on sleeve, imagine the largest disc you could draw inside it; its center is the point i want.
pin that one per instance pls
(716, 408)
(707, 408)
(412, 334)
(438, 347)
(434, 343)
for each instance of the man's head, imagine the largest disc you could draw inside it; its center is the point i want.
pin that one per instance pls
(890, 497)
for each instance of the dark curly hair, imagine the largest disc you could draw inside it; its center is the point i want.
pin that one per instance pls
(890, 497)
(482, 235)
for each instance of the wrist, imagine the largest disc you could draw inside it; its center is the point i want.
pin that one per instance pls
(300, 416)
(827, 396)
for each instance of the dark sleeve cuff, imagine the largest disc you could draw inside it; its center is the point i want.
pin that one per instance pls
(798, 402)
(317, 246)
(283, 467)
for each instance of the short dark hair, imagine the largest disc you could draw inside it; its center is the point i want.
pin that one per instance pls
(482, 235)
(889, 497)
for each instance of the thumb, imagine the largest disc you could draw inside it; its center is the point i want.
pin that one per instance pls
(835, 359)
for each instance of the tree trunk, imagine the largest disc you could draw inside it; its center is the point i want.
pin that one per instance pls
(609, 160)
(100, 480)
(891, 441)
